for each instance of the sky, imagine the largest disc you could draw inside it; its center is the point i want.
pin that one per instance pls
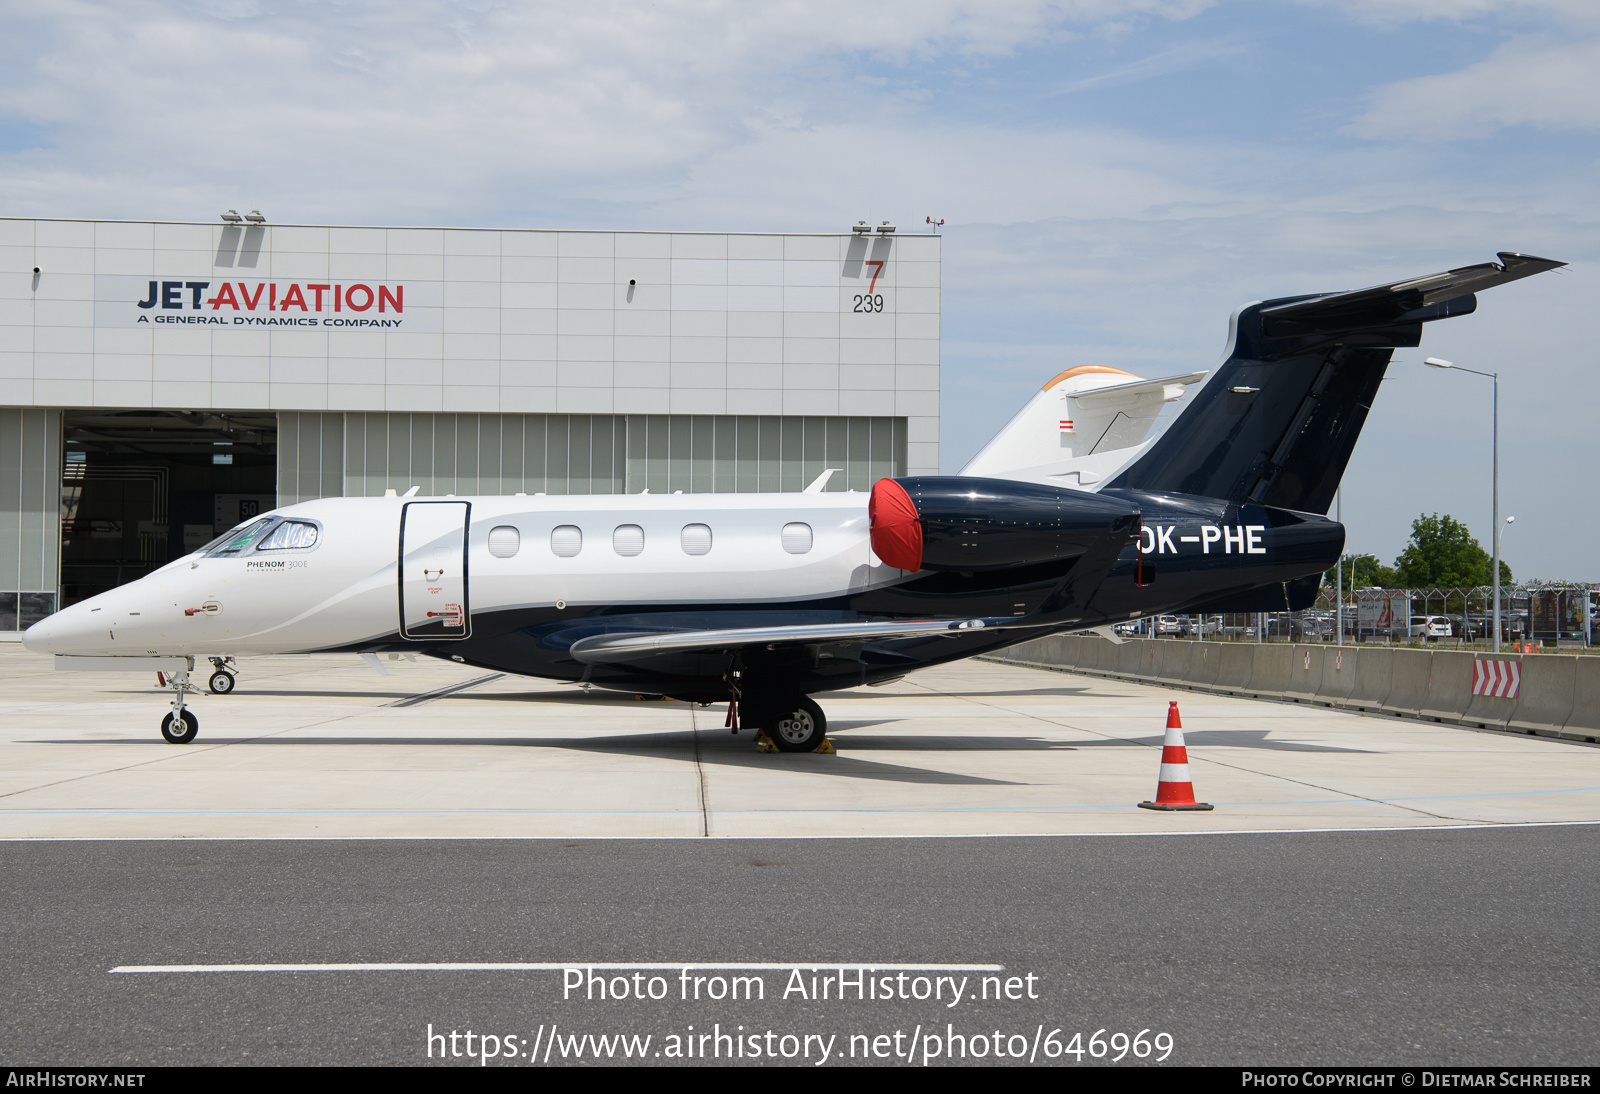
(1115, 176)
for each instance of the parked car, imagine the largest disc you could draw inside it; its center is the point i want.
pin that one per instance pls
(1168, 624)
(1203, 625)
(1431, 626)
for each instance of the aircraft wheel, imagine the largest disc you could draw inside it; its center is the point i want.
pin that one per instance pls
(179, 732)
(801, 729)
(221, 683)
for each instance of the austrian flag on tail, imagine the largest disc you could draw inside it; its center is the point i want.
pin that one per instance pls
(1500, 679)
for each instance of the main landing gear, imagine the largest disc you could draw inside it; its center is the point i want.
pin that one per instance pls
(180, 726)
(221, 682)
(800, 728)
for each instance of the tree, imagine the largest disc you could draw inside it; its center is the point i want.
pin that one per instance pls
(1442, 553)
(1361, 571)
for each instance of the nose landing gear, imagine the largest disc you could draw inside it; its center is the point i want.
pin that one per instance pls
(180, 726)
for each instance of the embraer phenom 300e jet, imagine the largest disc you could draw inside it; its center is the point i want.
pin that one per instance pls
(1070, 519)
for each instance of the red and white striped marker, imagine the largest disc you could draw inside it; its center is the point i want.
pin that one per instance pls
(1501, 679)
(1174, 790)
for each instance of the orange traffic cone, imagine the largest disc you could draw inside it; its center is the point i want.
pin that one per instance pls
(1174, 791)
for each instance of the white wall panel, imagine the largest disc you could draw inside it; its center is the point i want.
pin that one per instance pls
(493, 321)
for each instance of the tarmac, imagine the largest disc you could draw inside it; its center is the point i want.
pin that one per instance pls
(332, 873)
(317, 747)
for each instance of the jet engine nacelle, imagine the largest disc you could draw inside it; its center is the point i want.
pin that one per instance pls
(939, 522)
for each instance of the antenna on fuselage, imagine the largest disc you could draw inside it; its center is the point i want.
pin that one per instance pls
(821, 481)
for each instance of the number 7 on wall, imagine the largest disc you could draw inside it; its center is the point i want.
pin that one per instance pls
(877, 268)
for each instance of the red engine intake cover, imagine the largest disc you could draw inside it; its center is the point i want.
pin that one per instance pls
(896, 531)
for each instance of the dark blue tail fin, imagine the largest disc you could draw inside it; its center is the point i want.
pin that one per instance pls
(1277, 421)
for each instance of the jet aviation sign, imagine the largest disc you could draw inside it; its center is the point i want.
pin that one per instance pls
(122, 301)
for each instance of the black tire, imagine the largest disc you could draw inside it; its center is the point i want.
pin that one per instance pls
(802, 728)
(221, 683)
(191, 726)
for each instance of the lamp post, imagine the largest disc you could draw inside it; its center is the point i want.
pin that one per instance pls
(1338, 574)
(1494, 574)
(1498, 529)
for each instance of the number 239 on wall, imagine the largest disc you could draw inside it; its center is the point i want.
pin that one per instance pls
(871, 300)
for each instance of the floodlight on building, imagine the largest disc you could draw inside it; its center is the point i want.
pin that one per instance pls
(254, 217)
(861, 227)
(886, 228)
(232, 216)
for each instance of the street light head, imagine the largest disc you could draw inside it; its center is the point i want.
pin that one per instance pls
(1438, 362)
(1511, 520)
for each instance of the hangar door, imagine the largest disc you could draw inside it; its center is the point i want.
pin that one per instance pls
(433, 570)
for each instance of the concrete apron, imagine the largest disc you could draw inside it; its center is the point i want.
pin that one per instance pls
(311, 748)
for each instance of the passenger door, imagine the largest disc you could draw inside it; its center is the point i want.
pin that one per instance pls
(433, 570)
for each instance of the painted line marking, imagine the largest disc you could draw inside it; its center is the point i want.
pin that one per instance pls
(736, 812)
(560, 966)
(446, 692)
(1452, 827)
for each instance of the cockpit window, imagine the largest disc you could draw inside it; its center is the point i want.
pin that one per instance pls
(288, 535)
(238, 539)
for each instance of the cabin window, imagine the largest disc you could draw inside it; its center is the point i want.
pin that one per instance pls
(504, 541)
(628, 540)
(566, 540)
(288, 536)
(696, 539)
(797, 538)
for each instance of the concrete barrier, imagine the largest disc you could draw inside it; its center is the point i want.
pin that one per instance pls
(1180, 664)
(1338, 675)
(1132, 658)
(1099, 655)
(1305, 674)
(1408, 687)
(1374, 675)
(1031, 652)
(1269, 671)
(1207, 661)
(1449, 686)
(1237, 661)
(1486, 711)
(1544, 701)
(1585, 721)
(1559, 695)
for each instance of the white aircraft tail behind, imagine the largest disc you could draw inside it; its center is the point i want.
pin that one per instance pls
(1081, 427)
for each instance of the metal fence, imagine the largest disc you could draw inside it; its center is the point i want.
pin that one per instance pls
(1545, 616)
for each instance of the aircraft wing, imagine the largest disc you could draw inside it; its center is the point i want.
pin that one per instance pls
(613, 648)
(1448, 293)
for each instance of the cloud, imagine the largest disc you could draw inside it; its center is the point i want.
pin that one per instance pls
(1396, 12)
(1164, 63)
(1541, 84)
(426, 106)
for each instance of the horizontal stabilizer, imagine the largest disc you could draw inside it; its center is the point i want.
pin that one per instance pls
(1138, 387)
(1277, 420)
(1396, 302)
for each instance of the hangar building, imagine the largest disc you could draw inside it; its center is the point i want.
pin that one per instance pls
(161, 381)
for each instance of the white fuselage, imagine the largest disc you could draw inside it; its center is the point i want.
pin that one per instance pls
(344, 590)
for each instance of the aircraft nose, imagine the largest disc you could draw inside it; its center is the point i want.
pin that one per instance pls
(40, 637)
(67, 631)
